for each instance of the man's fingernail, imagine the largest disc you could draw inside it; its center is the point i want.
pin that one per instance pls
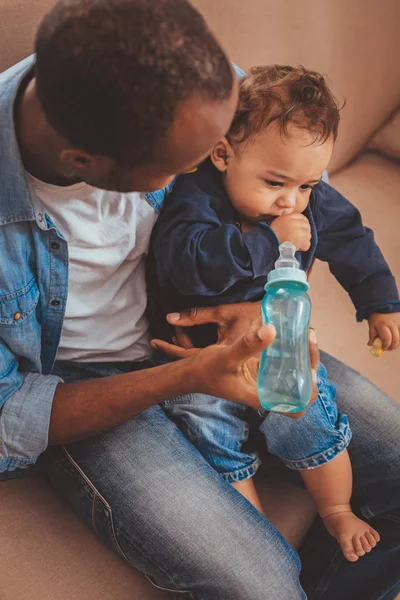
(313, 336)
(154, 344)
(262, 333)
(174, 317)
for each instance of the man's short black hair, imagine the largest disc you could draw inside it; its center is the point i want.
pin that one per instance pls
(111, 73)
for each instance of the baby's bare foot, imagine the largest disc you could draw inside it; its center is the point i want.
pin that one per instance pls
(354, 535)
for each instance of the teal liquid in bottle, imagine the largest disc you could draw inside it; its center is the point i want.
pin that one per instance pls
(284, 377)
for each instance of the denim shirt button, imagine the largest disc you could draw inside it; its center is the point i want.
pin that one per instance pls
(17, 316)
(48, 342)
(55, 245)
(55, 303)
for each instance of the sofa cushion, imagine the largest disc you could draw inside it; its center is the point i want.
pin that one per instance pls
(372, 183)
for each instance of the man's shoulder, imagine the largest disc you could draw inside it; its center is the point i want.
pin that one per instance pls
(12, 76)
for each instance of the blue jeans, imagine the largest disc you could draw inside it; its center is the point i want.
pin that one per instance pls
(219, 429)
(152, 498)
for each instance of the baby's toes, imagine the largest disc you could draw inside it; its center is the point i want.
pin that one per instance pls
(372, 541)
(365, 543)
(358, 549)
(375, 534)
(347, 547)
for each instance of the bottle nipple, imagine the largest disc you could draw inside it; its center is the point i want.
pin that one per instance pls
(287, 258)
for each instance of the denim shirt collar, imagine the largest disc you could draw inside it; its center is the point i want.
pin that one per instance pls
(16, 197)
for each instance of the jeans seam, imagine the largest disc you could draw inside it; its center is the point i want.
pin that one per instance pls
(98, 496)
(86, 478)
(185, 398)
(165, 589)
(251, 470)
(158, 566)
(307, 463)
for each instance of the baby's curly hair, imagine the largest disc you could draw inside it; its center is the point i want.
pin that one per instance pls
(285, 95)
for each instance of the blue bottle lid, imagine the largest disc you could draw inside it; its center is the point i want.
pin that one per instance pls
(287, 268)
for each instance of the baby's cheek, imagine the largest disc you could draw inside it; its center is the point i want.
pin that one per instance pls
(302, 203)
(266, 200)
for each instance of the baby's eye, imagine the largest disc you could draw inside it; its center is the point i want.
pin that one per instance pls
(274, 184)
(306, 186)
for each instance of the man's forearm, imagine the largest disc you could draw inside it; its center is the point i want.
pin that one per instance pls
(87, 408)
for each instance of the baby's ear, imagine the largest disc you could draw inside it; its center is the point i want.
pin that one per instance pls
(221, 154)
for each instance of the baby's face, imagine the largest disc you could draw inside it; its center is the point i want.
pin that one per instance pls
(272, 175)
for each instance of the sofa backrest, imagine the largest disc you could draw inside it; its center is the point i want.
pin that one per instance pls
(355, 42)
(18, 23)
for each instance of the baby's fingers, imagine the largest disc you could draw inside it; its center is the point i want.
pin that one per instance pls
(395, 337)
(373, 333)
(385, 334)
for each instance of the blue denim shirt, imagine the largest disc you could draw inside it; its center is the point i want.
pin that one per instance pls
(33, 295)
(199, 256)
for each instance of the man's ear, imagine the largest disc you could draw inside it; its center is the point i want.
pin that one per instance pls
(77, 159)
(222, 154)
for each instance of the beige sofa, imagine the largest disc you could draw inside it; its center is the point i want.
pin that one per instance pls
(45, 552)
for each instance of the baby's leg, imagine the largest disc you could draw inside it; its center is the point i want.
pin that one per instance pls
(330, 485)
(247, 488)
(219, 429)
(316, 446)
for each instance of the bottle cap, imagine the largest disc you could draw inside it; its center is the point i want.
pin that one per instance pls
(287, 267)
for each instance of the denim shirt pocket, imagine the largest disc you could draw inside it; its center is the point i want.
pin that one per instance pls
(15, 307)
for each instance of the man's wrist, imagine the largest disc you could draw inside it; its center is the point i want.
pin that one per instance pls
(178, 378)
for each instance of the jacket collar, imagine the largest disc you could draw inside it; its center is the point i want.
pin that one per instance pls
(16, 201)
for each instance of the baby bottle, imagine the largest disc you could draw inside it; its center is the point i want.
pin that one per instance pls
(284, 377)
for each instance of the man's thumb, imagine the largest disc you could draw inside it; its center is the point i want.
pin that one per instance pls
(253, 343)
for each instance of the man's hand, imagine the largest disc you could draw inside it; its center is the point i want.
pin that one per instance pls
(387, 328)
(229, 370)
(232, 320)
(226, 370)
(293, 228)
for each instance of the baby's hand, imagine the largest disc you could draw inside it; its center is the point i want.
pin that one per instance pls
(293, 228)
(387, 328)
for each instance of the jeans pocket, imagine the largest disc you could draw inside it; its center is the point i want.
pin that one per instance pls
(59, 466)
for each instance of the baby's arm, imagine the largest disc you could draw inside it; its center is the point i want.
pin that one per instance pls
(357, 263)
(199, 252)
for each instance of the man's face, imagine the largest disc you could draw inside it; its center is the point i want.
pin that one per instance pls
(198, 125)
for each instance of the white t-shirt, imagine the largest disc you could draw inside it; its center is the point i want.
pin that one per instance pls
(108, 237)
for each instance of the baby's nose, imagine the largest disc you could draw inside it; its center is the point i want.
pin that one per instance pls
(287, 200)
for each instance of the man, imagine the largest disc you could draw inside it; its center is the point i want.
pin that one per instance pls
(123, 96)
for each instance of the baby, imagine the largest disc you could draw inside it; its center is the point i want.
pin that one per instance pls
(215, 243)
